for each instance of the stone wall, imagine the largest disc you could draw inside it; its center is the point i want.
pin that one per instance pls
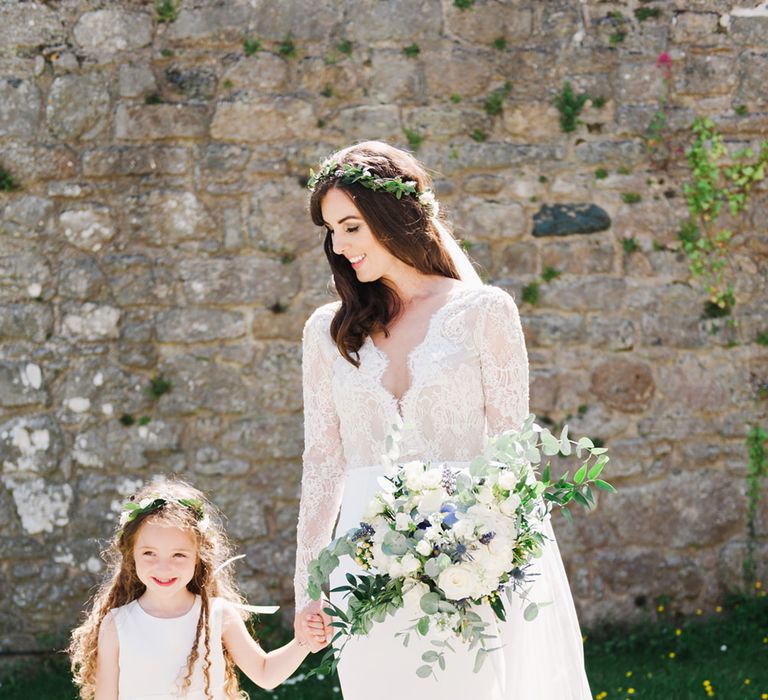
(157, 264)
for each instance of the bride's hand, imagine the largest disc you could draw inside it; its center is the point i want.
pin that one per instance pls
(312, 625)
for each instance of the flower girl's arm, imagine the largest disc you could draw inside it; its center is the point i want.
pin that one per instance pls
(266, 670)
(107, 668)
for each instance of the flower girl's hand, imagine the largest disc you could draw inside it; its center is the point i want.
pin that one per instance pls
(317, 637)
(310, 635)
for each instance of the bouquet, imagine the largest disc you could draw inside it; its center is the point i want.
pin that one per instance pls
(456, 539)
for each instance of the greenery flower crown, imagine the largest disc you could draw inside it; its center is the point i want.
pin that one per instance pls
(355, 174)
(132, 509)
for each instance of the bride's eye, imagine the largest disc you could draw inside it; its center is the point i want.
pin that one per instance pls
(352, 229)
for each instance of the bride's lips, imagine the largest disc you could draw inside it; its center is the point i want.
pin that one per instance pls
(357, 264)
(160, 582)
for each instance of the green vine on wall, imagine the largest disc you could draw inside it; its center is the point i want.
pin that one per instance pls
(757, 469)
(717, 181)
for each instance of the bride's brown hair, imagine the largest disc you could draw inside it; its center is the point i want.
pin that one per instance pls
(402, 226)
(121, 585)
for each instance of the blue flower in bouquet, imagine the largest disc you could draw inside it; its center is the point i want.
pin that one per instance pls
(449, 518)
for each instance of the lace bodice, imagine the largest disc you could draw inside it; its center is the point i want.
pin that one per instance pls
(469, 380)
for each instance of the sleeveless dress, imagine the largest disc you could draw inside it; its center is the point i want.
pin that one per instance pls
(469, 381)
(153, 653)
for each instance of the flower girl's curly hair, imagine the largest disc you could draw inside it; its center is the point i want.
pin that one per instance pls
(180, 507)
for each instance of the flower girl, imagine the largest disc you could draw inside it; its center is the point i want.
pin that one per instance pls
(167, 621)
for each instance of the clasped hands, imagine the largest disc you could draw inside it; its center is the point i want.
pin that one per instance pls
(312, 626)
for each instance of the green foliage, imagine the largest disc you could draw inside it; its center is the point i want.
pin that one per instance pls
(581, 410)
(127, 419)
(601, 174)
(479, 135)
(762, 338)
(327, 91)
(598, 102)
(550, 273)
(8, 183)
(412, 51)
(166, 11)
(287, 257)
(463, 4)
(741, 110)
(543, 179)
(251, 46)
(455, 98)
(630, 244)
(415, 139)
(756, 470)
(494, 103)
(530, 293)
(286, 48)
(227, 84)
(570, 105)
(167, 53)
(630, 197)
(718, 183)
(617, 38)
(320, 125)
(145, 420)
(624, 170)
(153, 99)
(646, 13)
(158, 386)
(500, 43)
(345, 47)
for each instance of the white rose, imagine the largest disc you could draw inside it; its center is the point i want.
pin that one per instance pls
(430, 502)
(457, 582)
(485, 495)
(432, 478)
(402, 521)
(464, 529)
(409, 564)
(373, 509)
(424, 547)
(412, 472)
(507, 479)
(510, 505)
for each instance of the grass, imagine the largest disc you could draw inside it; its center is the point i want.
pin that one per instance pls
(668, 656)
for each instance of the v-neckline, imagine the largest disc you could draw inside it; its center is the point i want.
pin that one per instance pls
(454, 294)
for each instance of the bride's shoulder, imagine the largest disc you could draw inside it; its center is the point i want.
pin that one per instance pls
(488, 297)
(319, 322)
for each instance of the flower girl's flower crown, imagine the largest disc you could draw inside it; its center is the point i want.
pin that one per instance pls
(132, 509)
(354, 174)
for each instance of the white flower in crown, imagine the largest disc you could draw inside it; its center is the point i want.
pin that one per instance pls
(144, 502)
(203, 523)
(124, 517)
(429, 201)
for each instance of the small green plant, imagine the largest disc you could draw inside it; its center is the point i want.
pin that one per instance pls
(412, 51)
(415, 139)
(494, 103)
(327, 91)
(741, 110)
(463, 4)
(762, 337)
(251, 46)
(646, 13)
(582, 409)
(158, 386)
(500, 43)
(543, 179)
(8, 183)
(227, 84)
(287, 257)
(630, 245)
(478, 135)
(321, 123)
(455, 98)
(756, 470)
(153, 99)
(145, 420)
(617, 38)
(630, 197)
(345, 47)
(570, 105)
(530, 293)
(658, 144)
(167, 53)
(718, 180)
(550, 273)
(624, 170)
(166, 11)
(127, 419)
(601, 174)
(598, 102)
(286, 48)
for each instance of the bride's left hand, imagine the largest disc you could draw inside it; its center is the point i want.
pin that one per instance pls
(312, 625)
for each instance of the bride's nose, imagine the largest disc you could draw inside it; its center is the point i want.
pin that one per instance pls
(339, 244)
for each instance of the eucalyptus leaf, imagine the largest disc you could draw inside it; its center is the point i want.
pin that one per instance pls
(423, 625)
(595, 471)
(424, 671)
(479, 660)
(429, 603)
(531, 611)
(578, 477)
(430, 656)
(604, 485)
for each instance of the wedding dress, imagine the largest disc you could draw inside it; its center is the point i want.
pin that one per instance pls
(469, 381)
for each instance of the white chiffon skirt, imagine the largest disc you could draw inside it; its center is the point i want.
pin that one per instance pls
(539, 660)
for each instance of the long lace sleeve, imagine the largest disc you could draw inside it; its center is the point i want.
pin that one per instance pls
(504, 364)
(323, 476)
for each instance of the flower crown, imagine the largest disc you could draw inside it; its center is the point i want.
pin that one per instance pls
(132, 510)
(355, 174)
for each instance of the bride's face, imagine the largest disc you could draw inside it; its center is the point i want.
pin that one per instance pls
(353, 239)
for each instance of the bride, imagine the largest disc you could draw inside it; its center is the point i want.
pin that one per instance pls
(415, 337)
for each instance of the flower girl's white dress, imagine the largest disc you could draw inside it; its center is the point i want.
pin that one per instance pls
(469, 380)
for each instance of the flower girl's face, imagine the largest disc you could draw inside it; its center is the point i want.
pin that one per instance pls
(353, 239)
(165, 558)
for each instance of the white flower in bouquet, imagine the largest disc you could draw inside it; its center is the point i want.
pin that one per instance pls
(457, 582)
(402, 522)
(424, 547)
(430, 502)
(510, 505)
